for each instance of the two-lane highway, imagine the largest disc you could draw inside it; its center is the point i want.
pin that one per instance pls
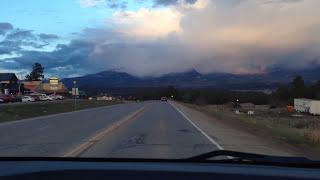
(160, 132)
(151, 129)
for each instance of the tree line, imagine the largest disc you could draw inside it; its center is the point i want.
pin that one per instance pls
(281, 96)
(297, 89)
(202, 96)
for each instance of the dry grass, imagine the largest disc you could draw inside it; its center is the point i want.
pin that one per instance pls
(13, 112)
(313, 136)
(278, 122)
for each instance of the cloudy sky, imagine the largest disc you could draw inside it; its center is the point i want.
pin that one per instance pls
(155, 37)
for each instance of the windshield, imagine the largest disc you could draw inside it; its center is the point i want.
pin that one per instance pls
(165, 79)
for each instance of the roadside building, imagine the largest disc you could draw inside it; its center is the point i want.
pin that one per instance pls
(32, 86)
(9, 83)
(53, 86)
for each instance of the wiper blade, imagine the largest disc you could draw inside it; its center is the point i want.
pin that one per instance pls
(250, 157)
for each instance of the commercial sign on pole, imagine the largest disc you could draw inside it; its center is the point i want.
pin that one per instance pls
(75, 91)
(6, 91)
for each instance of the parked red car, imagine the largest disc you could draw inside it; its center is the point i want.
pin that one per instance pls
(7, 98)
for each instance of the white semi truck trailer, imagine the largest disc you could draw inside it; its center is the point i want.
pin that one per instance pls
(307, 105)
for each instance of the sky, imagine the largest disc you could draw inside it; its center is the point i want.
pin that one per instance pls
(155, 37)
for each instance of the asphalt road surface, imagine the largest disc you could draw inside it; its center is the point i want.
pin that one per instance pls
(151, 129)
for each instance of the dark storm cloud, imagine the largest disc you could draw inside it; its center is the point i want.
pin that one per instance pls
(74, 53)
(19, 37)
(64, 60)
(171, 2)
(115, 4)
(15, 38)
(47, 37)
(4, 51)
(8, 47)
(20, 34)
(5, 27)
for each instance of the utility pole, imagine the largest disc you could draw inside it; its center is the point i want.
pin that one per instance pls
(19, 88)
(75, 94)
(19, 81)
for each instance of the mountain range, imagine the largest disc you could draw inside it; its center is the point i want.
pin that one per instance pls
(194, 79)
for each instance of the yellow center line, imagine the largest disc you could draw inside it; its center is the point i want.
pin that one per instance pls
(78, 150)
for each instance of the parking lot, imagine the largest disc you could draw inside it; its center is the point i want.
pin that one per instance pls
(32, 103)
(29, 98)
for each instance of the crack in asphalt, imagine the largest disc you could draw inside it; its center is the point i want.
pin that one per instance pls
(133, 141)
(187, 131)
(137, 140)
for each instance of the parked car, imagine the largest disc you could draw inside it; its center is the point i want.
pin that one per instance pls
(7, 98)
(36, 97)
(27, 99)
(45, 98)
(59, 97)
(1, 101)
(56, 97)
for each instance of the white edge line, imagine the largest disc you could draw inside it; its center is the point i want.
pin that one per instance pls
(198, 128)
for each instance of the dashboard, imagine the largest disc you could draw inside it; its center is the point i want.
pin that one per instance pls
(148, 170)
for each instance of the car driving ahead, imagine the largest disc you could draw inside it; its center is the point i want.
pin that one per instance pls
(164, 99)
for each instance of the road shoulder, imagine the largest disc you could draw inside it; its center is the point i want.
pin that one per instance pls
(235, 136)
